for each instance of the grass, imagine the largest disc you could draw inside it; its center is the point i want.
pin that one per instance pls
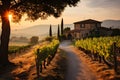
(18, 43)
(15, 47)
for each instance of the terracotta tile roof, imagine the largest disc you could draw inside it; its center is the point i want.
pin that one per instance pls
(87, 21)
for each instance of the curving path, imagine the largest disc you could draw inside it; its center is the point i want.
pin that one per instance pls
(76, 69)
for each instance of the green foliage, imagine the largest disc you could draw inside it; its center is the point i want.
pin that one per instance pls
(62, 37)
(49, 38)
(15, 49)
(102, 45)
(94, 33)
(115, 32)
(46, 50)
(67, 29)
(34, 40)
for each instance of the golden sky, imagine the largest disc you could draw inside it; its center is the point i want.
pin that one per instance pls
(86, 9)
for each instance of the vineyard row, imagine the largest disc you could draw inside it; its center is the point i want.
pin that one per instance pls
(44, 54)
(102, 49)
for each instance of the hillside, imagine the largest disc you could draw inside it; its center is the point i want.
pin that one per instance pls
(43, 30)
(111, 23)
(37, 30)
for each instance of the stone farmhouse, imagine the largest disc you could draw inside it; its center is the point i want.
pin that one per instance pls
(83, 29)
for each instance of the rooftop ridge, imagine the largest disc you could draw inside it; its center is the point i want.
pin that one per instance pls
(88, 21)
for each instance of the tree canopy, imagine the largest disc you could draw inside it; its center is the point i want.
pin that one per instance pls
(34, 39)
(67, 29)
(35, 8)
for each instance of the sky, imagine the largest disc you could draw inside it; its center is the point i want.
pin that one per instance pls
(86, 9)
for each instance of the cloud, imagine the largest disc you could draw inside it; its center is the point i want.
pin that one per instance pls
(103, 3)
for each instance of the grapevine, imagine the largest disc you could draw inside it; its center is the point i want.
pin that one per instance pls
(45, 54)
(101, 46)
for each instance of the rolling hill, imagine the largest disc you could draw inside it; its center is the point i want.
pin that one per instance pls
(37, 30)
(111, 23)
(43, 30)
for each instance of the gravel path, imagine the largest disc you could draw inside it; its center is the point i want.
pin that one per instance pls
(76, 69)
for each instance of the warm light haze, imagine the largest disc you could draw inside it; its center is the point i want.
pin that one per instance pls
(10, 17)
(100, 10)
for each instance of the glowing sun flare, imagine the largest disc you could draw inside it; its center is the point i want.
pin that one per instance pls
(10, 17)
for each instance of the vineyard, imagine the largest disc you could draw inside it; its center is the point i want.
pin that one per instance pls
(101, 49)
(18, 49)
(44, 54)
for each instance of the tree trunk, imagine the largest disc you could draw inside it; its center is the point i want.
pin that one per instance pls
(5, 34)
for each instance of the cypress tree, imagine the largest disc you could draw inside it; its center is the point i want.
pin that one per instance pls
(50, 31)
(58, 33)
(62, 26)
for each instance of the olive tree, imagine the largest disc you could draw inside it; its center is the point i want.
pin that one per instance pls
(34, 9)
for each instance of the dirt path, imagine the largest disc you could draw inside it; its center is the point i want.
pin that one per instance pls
(76, 69)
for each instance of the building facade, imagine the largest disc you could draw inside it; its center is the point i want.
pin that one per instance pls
(83, 29)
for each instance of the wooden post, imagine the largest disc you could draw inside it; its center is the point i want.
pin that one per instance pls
(115, 57)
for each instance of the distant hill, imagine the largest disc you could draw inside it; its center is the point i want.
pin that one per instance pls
(37, 30)
(111, 23)
(43, 30)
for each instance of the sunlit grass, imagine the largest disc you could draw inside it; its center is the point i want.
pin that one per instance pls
(18, 44)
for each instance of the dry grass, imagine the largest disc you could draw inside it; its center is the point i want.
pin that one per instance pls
(25, 68)
(18, 44)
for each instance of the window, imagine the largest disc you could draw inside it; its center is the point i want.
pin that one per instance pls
(82, 26)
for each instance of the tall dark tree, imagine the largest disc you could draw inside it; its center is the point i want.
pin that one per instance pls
(58, 33)
(34, 9)
(50, 31)
(62, 26)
